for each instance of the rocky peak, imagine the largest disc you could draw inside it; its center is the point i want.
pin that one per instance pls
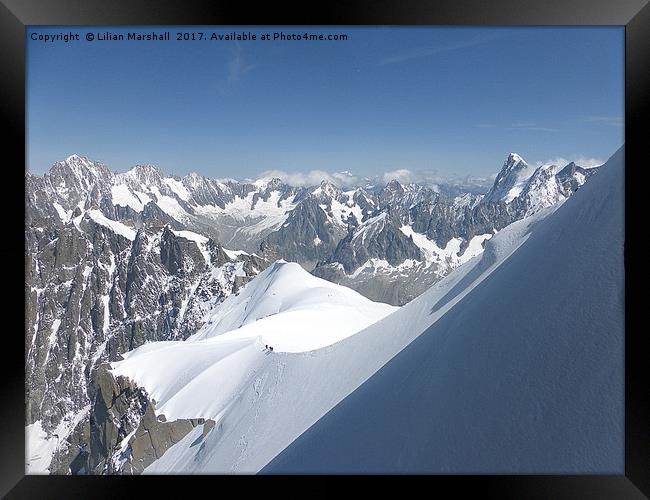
(81, 169)
(572, 176)
(513, 164)
(394, 186)
(274, 184)
(571, 167)
(514, 171)
(514, 159)
(147, 175)
(328, 190)
(391, 193)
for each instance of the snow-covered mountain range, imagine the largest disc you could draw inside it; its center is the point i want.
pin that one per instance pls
(512, 363)
(118, 260)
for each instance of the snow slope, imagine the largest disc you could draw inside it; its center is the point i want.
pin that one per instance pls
(512, 363)
(524, 374)
(286, 298)
(40, 448)
(285, 393)
(284, 306)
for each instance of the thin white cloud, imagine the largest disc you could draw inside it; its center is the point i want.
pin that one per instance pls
(580, 160)
(313, 178)
(531, 126)
(616, 121)
(347, 180)
(433, 179)
(429, 51)
(238, 66)
(401, 175)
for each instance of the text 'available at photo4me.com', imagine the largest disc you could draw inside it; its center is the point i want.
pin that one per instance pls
(185, 36)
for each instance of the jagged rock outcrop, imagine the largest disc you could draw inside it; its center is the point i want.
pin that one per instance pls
(126, 435)
(377, 238)
(308, 236)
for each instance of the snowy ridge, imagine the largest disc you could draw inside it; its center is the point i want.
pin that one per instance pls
(275, 309)
(288, 298)
(317, 381)
(522, 376)
(115, 226)
(525, 382)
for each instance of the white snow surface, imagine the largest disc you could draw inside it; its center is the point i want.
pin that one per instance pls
(115, 226)
(64, 214)
(284, 306)
(192, 236)
(170, 205)
(288, 392)
(513, 363)
(524, 374)
(41, 449)
(264, 216)
(122, 196)
(234, 254)
(448, 256)
(281, 300)
(178, 188)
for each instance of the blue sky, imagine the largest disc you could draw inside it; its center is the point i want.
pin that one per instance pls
(452, 101)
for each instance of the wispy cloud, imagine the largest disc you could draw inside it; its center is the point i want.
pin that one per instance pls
(616, 121)
(434, 179)
(403, 175)
(347, 180)
(438, 49)
(238, 67)
(531, 126)
(313, 178)
(580, 160)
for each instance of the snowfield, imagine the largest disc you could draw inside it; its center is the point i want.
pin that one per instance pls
(519, 370)
(285, 307)
(513, 363)
(281, 301)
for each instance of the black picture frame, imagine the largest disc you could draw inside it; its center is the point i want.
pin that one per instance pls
(16, 15)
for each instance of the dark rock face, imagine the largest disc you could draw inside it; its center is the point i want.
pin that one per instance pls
(307, 223)
(95, 291)
(378, 238)
(125, 434)
(569, 181)
(152, 212)
(171, 255)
